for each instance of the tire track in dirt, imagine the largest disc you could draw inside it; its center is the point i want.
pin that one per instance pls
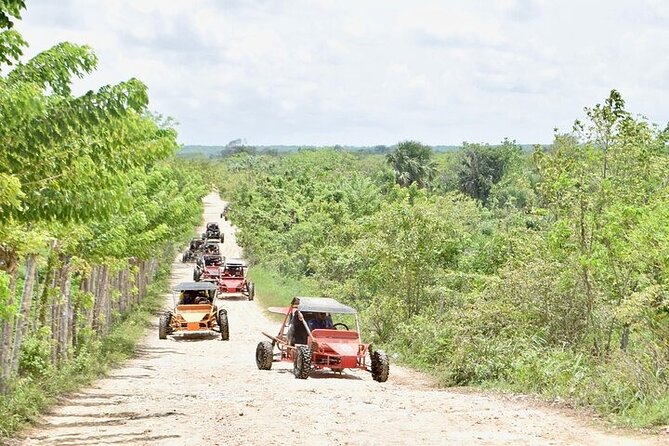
(209, 391)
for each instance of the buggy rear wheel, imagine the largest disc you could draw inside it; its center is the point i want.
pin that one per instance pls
(252, 290)
(380, 366)
(164, 325)
(223, 326)
(264, 355)
(302, 362)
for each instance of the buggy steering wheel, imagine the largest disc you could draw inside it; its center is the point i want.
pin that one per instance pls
(340, 324)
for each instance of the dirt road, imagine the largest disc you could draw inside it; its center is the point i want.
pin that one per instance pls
(209, 392)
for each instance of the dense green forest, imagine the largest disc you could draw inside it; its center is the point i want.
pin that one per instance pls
(543, 272)
(91, 206)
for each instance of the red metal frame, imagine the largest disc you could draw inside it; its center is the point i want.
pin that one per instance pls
(233, 285)
(330, 348)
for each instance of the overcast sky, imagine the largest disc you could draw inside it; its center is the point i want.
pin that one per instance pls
(370, 72)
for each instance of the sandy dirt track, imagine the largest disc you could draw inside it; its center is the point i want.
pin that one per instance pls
(209, 392)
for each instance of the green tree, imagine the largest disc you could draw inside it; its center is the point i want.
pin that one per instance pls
(482, 167)
(11, 42)
(412, 163)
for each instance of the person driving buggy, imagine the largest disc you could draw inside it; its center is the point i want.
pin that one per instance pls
(189, 297)
(320, 321)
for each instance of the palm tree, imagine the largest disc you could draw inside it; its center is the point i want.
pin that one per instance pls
(412, 163)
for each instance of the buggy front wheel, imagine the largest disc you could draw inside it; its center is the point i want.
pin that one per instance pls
(223, 326)
(380, 366)
(164, 325)
(252, 290)
(264, 355)
(302, 362)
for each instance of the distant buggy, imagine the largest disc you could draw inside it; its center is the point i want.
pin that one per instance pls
(195, 248)
(213, 232)
(208, 268)
(234, 282)
(310, 340)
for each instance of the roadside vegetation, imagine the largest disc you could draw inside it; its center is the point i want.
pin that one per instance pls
(538, 271)
(544, 271)
(91, 206)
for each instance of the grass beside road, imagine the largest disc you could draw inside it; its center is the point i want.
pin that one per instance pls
(29, 397)
(273, 290)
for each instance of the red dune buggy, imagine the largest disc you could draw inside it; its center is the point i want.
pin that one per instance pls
(208, 268)
(232, 282)
(311, 341)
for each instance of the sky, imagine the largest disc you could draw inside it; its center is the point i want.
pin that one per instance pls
(369, 72)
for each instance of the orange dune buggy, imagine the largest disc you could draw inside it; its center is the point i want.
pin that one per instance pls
(194, 313)
(303, 341)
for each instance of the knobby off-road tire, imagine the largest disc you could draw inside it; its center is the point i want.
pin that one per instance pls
(264, 355)
(380, 366)
(164, 325)
(252, 290)
(302, 362)
(223, 326)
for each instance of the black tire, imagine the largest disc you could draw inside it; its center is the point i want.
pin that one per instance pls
(380, 366)
(302, 362)
(252, 290)
(223, 326)
(196, 276)
(164, 325)
(264, 355)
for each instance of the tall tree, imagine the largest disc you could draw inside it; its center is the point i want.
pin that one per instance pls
(412, 163)
(482, 167)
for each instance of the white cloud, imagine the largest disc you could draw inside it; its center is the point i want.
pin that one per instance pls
(374, 72)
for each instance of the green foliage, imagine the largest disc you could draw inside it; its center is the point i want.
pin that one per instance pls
(273, 290)
(67, 157)
(35, 354)
(37, 390)
(542, 273)
(9, 9)
(90, 191)
(11, 44)
(7, 308)
(412, 163)
(483, 166)
(11, 41)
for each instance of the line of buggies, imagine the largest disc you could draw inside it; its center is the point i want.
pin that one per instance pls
(228, 274)
(207, 244)
(308, 337)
